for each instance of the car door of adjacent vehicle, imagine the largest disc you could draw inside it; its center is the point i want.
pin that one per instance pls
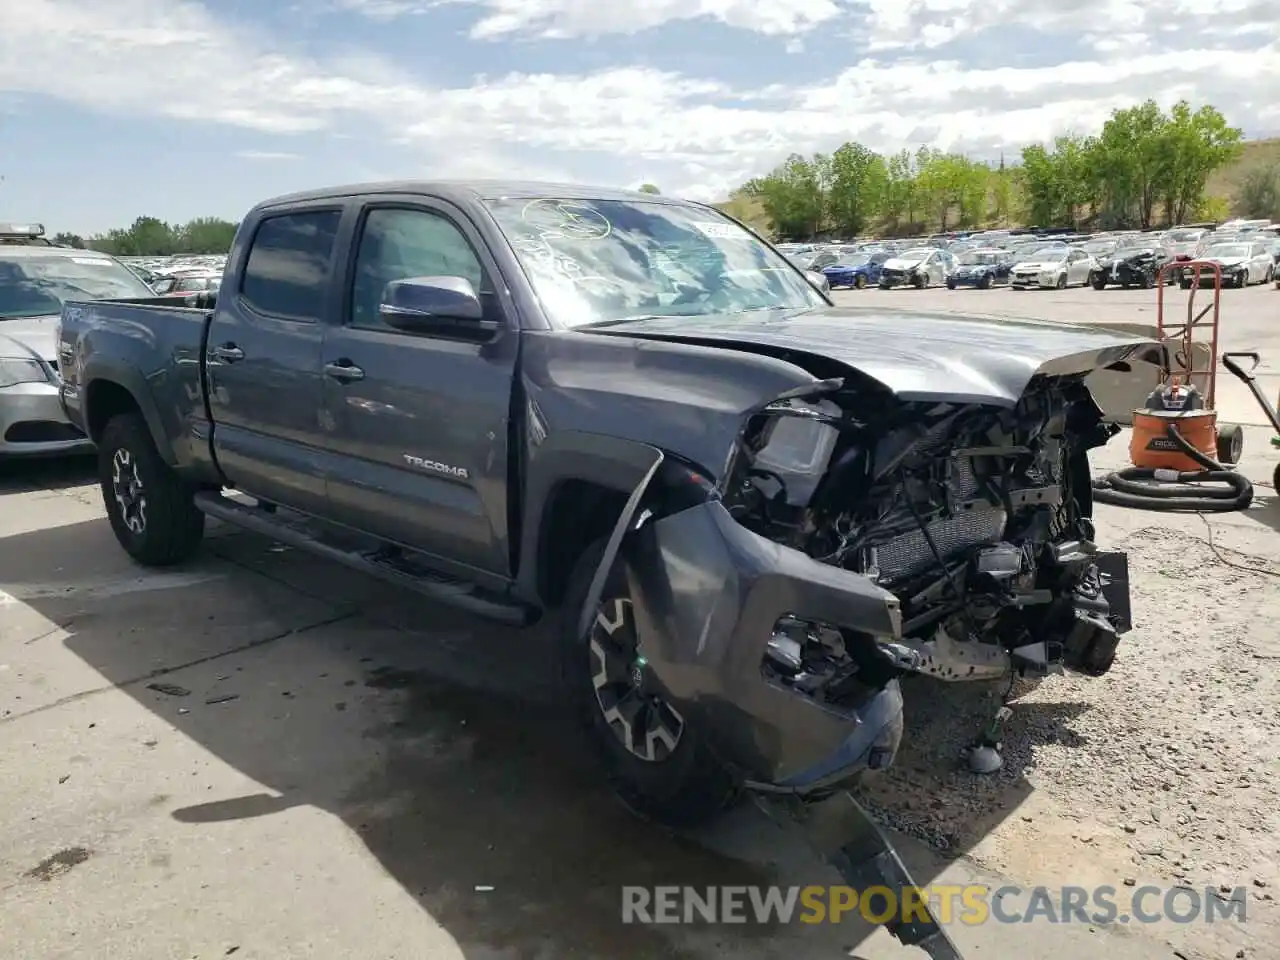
(1259, 263)
(418, 422)
(264, 359)
(1077, 267)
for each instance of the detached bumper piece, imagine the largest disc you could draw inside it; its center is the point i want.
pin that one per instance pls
(713, 606)
(844, 835)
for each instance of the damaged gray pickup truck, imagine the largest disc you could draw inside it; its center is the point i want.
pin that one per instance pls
(752, 512)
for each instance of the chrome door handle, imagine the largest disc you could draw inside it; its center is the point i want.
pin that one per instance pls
(228, 352)
(345, 372)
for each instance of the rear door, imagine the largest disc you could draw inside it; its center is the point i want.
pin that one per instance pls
(418, 422)
(264, 359)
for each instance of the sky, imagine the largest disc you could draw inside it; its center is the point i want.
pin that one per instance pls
(112, 109)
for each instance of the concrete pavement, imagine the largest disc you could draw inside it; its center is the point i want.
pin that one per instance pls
(268, 753)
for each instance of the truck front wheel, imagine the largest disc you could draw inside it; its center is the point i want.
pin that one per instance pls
(653, 758)
(151, 509)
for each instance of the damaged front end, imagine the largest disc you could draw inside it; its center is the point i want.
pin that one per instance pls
(854, 538)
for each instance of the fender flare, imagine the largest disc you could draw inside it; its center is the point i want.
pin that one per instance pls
(132, 380)
(626, 466)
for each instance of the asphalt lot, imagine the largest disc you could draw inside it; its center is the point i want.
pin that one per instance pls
(265, 755)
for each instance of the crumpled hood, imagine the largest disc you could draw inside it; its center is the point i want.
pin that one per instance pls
(896, 263)
(917, 356)
(1227, 261)
(30, 337)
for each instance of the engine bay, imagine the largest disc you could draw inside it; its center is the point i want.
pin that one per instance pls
(975, 517)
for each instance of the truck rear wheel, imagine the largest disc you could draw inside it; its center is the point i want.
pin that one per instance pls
(654, 760)
(151, 509)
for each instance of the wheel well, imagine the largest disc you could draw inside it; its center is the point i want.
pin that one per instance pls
(578, 513)
(105, 399)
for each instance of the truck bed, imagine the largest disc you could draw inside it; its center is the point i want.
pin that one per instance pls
(151, 344)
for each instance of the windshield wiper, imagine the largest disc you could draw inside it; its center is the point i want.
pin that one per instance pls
(618, 321)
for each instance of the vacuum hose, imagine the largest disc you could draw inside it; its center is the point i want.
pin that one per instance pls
(1176, 491)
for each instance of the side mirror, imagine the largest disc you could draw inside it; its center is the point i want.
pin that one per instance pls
(433, 305)
(819, 280)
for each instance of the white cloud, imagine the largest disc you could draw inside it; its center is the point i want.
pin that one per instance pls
(696, 136)
(267, 155)
(584, 18)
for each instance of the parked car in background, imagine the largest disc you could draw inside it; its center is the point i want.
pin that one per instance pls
(35, 281)
(1057, 265)
(1241, 262)
(918, 267)
(856, 270)
(196, 283)
(981, 268)
(1131, 266)
(1182, 244)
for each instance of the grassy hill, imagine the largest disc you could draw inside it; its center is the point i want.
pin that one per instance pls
(1257, 154)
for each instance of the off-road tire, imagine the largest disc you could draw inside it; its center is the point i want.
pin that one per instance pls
(173, 527)
(688, 787)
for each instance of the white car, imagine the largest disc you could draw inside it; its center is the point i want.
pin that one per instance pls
(1242, 263)
(1057, 266)
(918, 267)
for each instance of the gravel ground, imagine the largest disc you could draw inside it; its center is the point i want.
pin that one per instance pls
(1164, 771)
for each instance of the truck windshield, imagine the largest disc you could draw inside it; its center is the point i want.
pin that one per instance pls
(594, 261)
(36, 286)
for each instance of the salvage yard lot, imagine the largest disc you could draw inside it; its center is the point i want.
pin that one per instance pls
(266, 752)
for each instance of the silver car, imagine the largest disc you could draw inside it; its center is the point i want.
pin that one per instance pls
(34, 282)
(1054, 265)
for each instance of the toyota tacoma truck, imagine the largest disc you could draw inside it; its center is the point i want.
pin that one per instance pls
(749, 512)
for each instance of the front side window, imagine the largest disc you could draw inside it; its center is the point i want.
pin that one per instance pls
(289, 264)
(591, 261)
(397, 244)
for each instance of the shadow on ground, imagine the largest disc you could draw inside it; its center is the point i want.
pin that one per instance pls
(438, 740)
(47, 473)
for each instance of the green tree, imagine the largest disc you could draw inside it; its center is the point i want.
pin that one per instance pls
(1193, 145)
(1259, 193)
(1134, 144)
(149, 237)
(792, 196)
(204, 235)
(900, 199)
(73, 240)
(857, 186)
(649, 188)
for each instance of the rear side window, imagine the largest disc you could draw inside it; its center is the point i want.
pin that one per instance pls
(289, 264)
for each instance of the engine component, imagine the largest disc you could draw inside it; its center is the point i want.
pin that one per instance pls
(975, 517)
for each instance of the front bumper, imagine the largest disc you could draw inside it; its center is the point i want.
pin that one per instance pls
(707, 593)
(32, 423)
(1033, 280)
(968, 279)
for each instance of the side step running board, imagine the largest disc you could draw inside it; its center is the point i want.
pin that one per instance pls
(390, 565)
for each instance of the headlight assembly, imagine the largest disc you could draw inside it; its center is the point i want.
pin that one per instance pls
(14, 371)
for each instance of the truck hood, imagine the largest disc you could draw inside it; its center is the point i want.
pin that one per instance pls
(30, 337)
(916, 356)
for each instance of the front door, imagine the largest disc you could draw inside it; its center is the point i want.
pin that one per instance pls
(264, 360)
(418, 422)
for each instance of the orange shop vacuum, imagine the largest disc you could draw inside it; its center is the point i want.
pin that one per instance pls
(1181, 458)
